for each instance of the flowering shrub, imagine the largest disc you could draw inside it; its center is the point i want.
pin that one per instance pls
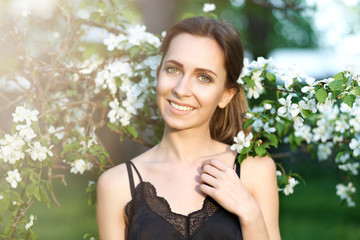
(74, 85)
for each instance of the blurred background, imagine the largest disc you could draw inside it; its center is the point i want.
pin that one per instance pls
(320, 38)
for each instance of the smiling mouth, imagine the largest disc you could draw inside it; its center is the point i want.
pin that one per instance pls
(180, 107)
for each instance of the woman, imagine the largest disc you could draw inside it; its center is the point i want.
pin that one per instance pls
(189, 186)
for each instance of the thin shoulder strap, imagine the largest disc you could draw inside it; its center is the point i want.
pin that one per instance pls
(237, 166)
(131, 177)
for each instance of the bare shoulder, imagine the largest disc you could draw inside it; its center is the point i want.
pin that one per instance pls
(259, 164)
(114, 183)
(113, 177)
(257, 172)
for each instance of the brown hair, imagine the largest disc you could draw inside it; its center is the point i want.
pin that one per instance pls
(226, 122)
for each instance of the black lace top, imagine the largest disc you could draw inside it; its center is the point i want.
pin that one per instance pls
(150, 217)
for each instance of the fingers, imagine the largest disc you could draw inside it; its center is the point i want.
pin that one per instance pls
(216, 163)
(207, 190)
(213, 172)
(208, 180)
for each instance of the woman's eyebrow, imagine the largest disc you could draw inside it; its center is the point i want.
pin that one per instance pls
(205, 70)
(174, 62)
(196, 69)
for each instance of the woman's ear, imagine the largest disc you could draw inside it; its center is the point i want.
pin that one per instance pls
(227, 96)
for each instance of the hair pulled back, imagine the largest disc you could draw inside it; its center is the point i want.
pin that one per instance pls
(226, 122)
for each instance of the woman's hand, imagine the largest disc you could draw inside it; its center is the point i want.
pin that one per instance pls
(221, 182)
(254, 198)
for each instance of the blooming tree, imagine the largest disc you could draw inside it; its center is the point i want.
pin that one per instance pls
(97, 69)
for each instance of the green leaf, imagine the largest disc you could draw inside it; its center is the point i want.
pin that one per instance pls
(33, 235)
(49, 186)
(335, 85)
(271, 77)
(280, 127)
(134, 51)
(250, 82)
(248, 123)
(30, 189)
(357, 90)
(91, 187)
(273, 139)
(307, 113)
(335, 94)
(241, 157)
(349, 100)
(5, 202)
(340, 76)
(321, 95)
(246, 150)
(132, 130)
(260, 150)
(8, 229)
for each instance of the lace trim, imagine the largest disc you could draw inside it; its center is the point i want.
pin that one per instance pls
(186, 225)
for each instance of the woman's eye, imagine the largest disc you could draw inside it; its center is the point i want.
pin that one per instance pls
(205, 78)
(172, 70)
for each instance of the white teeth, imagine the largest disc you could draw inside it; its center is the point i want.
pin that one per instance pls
(181, 108)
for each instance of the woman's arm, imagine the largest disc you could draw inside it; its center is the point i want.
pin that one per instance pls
(113, 193)
(259, 176)
(254, 198)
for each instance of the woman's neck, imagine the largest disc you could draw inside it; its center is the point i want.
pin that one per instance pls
(187, 146)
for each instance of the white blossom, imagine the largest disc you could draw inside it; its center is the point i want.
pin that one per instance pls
(240, 81)
(257, 125)
(324, 151)
(208, 7)
(298, 122)
(11, 148)
(289, 188)
(31, 223)
(288, 109)
(355, 146)
(241, 141)
(120, 68)
(351, 167)
(341, 125)
(345, 192)
(23, 114)
(113, 41)
(245, 71)
(355, 122)
(113, 114)
(80, 166)
(343, 158)
(269, 129)
(307, 105)
(254, 92)
(327, 105)
(323, 132)
(26, 132)
(58, 132)
(138, 34)
(288, 81)
(304, 132)
(311, 86)
(267, 106)
(38, 152)
(13, 178)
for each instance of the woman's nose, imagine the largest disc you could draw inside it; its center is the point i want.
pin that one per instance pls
(183, 87)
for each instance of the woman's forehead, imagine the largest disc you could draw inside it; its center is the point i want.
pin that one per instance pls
(203, 52)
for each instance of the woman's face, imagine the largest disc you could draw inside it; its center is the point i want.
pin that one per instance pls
(191, 82)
